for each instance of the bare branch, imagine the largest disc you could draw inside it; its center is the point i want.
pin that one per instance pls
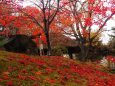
(103, 25)
(36, 4)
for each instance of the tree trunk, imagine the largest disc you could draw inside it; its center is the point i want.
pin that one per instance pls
(82, 58)
(48, 44)
(84, 52)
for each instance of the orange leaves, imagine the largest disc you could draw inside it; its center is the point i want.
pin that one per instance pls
(31, 25)
(6, 73)
(42, 37)
(37, 31)
(38, 73)
(85, 33)
(66, 20)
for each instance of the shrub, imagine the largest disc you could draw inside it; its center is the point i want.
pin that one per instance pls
(2, 41)
(59, 50)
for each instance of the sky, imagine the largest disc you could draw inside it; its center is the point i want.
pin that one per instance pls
(105, 35)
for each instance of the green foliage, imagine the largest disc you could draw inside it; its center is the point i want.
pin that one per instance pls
(59, 50)
(1, 41)
(1, 38)
(112, 71)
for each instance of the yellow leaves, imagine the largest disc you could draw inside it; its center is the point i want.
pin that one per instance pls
(96, 41)
(92, 34)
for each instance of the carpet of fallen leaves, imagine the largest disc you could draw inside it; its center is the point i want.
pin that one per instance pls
(24, 70)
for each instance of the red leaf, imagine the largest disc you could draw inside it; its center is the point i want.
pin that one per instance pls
(2, 22)
(10, 83)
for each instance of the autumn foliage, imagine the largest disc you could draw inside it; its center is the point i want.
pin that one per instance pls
(66, 17)
(69, 17)
(20, 69)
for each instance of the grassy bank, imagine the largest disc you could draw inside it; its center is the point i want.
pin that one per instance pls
(23, 70)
